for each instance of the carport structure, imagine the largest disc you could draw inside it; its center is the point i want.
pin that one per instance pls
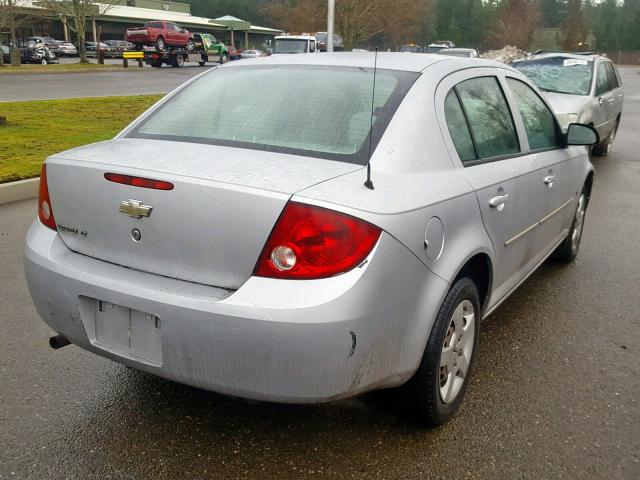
(252, 35)
(111, 21)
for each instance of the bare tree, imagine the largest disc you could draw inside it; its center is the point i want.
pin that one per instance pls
(575, 29)
(357, 21)
(14, 13)
(77, 13)
(517, 23)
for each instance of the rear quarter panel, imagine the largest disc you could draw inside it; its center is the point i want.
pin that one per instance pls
(414, 181)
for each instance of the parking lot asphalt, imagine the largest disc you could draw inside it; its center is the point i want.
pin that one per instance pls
(555, 394)
(134, 81)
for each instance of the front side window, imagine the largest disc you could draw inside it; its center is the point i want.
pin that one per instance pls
(538, 120)
(489, 117)
(458, 128)
(316, 111)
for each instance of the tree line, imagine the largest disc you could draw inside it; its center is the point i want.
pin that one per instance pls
(474, 23)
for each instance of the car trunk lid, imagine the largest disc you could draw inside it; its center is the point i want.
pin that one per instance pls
(210, 228)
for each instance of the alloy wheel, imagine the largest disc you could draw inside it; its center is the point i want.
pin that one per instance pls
(578, 223)
(457, 351)
(610, 141)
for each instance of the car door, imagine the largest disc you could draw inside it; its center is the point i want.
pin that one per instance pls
(603, 101)
(170, 33)
(491, 148)
(558, 169)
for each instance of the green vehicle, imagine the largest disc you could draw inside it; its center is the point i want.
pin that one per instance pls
(210, 48)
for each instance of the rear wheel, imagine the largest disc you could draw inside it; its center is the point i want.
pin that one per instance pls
(157, 63)
(567, 251)
(160, 45)
(224, 58)
(43, 61)
(178, 62)
(190, 46)
(439, 384)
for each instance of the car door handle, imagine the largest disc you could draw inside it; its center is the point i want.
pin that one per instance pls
(498, 201)
(549, 179)
(600, 101)
(611, 100)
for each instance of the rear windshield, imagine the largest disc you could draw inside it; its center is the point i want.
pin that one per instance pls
(315, 111)
(559, 74)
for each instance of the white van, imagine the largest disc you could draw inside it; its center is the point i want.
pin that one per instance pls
(295, 44)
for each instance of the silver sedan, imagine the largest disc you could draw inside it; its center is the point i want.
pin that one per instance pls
(581, 88)
(316, 239)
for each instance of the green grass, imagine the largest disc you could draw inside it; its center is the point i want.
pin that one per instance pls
(65, 67)
(37, 129)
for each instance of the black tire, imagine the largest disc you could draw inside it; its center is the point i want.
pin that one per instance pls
(202, 64)
(160, 44)
(224, 58)
(605, 146)
(425, 386)
(156, 63)
(190, 46)
(568, 250)
(178, 61)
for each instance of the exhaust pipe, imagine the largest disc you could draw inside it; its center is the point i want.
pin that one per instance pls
(58, 341)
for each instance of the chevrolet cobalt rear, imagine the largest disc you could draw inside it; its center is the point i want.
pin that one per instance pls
(238, 243)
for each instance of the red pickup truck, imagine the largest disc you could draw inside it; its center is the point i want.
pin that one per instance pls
(160, 34)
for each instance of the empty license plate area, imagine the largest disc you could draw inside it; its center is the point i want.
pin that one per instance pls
(124, 331)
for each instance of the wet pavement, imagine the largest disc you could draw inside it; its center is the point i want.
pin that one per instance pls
(555, 393)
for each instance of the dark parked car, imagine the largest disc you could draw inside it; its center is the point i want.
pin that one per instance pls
(51, 43)
(120, 45)
(321, 38)
(92, 49)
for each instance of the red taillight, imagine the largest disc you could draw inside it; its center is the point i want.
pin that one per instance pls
(311, 242)
(138, 181)
(45, 211)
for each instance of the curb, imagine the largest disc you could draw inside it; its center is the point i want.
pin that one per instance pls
(60, 71)
(20, 190)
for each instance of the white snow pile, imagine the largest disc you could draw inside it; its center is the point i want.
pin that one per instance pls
(507, 54)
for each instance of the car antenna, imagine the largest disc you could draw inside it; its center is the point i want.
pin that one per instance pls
(369, 183)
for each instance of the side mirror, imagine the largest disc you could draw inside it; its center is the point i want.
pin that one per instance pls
(579, 134)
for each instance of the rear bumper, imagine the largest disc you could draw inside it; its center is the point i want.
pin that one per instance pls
(274, 340)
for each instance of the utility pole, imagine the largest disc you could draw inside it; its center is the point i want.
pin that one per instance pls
(331, 9)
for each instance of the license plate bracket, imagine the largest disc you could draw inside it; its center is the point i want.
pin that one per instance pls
(124, 331)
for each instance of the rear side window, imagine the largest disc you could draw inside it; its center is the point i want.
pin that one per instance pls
(613, 78)
(602, 80)
(539, 121)
(315, 111)
(489, 117)
(458, 128)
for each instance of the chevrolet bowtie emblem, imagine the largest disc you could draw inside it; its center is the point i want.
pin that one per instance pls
(135, 208)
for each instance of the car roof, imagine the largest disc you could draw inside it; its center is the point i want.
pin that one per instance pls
(410, 62)
(590, 56)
